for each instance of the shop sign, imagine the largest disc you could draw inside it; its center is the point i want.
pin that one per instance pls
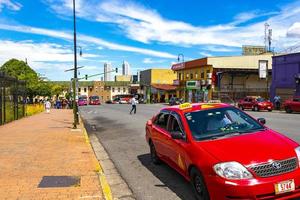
(263, 68)
(176, 82)
(193, 84)
(178, 66)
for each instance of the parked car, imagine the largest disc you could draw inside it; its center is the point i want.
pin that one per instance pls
(255, 104)
(82, 101)
(94, 100)
(224, 152)
(292, 105)
(175, 101)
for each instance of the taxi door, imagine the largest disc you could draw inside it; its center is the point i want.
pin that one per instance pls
(178, 146)
(160, 135)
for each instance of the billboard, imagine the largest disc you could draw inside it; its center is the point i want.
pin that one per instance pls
(253, 50)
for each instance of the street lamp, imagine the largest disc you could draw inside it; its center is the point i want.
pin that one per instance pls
(75, 107)
(182, 58)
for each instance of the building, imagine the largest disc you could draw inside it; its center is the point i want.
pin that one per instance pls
(100, 89)
(157, 84)
(125, 68)
(107, 68)
(286, 75)
(230, 77)
(123, 78)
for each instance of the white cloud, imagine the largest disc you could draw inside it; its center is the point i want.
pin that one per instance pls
(146, 25)
(15, 6)
(39, 55)
(216, 48)
(151, 61)
(206, 54)
(85, 38)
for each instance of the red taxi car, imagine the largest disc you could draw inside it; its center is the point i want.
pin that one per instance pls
(94, 100)
(292, 105)
(224, 152)
(255, 103)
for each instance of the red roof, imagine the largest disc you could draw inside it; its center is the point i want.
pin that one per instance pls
(166, 87)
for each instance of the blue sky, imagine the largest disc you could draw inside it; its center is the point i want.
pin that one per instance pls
(146, 33)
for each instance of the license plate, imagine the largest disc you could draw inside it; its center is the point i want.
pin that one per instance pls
(285, 186)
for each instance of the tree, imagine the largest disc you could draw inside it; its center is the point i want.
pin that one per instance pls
(19, 69)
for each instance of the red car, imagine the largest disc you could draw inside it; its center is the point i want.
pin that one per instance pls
(292, 105)
(255, 103)
(94, 100)
(82, 101)
(224, 152)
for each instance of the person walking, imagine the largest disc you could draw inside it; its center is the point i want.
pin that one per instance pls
(133, 105)
(277, 102)
(47, 106)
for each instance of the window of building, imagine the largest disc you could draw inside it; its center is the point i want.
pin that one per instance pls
(207, 71)
(102, 97)
(79, 89)
(113, 89)
(84, 89)
(119, 89)
(179, 76)
(107, 98)
(192, 76)
(124, 90)
(91, 89)
(202, 75)
(196, 75)
(187, 75)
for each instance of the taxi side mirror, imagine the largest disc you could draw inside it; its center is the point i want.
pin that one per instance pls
(261, 120)
(149, 123)
(177, 135)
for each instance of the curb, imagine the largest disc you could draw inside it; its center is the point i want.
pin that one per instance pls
(106, 190)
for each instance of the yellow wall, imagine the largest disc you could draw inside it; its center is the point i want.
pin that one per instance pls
(123, 78)
(239, 62)
(162, 76)
(196, 73)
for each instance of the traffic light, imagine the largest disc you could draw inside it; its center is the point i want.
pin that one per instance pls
(116, 70)
(86, 77)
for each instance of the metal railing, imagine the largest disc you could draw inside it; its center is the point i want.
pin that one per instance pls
(12, 98)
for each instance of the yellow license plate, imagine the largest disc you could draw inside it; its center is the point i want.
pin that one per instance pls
(285, 186)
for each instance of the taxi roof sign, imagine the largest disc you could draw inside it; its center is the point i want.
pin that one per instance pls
(185, 106)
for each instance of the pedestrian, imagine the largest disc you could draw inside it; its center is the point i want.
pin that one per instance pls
(133, 105)
(47, 106)
(277, 102)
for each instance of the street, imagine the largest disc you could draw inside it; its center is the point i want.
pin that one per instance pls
(123, 137)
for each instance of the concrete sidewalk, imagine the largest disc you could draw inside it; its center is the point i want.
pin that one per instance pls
(43, 146)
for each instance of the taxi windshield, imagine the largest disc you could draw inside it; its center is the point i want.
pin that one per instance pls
(220, 122)
(94, 98)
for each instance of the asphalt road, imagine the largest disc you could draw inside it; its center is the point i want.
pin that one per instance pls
(123, 137)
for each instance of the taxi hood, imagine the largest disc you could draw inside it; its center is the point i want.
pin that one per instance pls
(251, 148)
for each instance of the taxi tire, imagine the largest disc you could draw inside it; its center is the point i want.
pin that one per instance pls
(154, 158)
(198, 185)
(256, 108)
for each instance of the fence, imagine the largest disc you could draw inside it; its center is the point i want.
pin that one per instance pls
(12, 98)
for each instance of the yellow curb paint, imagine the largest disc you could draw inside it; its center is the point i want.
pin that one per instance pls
(103, 182)
(105, 187)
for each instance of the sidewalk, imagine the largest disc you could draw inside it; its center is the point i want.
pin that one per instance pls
(44, 145)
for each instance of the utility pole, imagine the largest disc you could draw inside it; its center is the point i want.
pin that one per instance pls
(75, 107)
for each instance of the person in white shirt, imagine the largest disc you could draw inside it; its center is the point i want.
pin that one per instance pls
(133, 105)
(47, 106)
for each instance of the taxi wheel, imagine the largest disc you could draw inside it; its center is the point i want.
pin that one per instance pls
(288, 109)
(256, 108)
(198, 185)
(241, 107)
(154, 158)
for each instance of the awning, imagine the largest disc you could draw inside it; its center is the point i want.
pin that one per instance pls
(166, 87)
